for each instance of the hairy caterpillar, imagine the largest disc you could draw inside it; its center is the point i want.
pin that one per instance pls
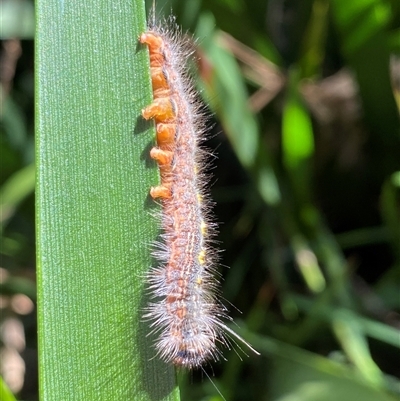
(185, 311)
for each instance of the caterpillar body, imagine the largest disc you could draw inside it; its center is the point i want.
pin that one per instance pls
(185, 310)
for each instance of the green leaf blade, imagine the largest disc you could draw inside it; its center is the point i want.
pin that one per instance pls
(94, 223)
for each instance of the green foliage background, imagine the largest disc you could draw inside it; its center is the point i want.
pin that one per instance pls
(305, 122)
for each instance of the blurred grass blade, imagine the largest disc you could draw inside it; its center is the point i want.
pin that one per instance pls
(226, 94)
(308, 264)
(5, 393)
(371, 328)
(390, 199)
(363, 27)
(313, 45)
(298, 137)
(297, 374)
(14, 191)
(349, 333)
(94, 225)
(17, 19)
(360, 21)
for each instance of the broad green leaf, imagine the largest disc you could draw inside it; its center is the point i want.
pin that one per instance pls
(94, 216)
